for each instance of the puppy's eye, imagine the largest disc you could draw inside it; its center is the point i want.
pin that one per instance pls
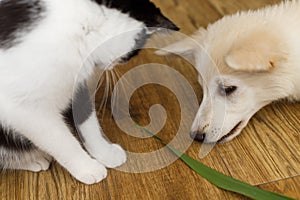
(228, 90)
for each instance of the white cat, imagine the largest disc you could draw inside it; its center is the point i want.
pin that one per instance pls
(43, 44)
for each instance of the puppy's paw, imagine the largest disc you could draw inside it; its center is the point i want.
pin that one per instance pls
(91, 172)
(113, 157)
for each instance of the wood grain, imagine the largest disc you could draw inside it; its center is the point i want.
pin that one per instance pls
(266, 154)
(289, 187)
(268, 149)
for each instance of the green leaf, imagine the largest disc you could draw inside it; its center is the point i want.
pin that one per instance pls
(221, 180)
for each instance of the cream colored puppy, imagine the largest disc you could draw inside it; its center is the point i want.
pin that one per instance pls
(245, 61)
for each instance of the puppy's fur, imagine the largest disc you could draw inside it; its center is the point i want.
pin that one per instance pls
(245, 61)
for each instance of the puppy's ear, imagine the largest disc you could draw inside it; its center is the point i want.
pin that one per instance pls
(184, 46)
(259, 52)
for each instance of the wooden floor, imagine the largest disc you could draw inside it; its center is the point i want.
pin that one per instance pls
(266, 154)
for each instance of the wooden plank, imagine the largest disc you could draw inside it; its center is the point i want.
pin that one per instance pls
(289, 187)
(268, 149)
(176, 180)
(189, 15)
(54, 184)
(233, 6)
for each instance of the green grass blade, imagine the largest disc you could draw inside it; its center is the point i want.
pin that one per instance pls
(221, 180)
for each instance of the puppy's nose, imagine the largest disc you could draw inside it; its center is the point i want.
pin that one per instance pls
(198, 136)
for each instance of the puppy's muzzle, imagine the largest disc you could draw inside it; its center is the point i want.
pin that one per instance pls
(197, 136)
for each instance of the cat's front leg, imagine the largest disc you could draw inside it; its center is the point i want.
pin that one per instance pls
(110, 155)
(49, 132)
(87, 125)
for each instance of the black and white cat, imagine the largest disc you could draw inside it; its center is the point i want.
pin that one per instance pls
(43, 44)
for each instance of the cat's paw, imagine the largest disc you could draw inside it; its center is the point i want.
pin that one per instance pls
(91, 172)
(113, 157)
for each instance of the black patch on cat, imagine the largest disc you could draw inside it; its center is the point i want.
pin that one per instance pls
(80, 109)
(12, 141)
(139, 44)
(141, 10)
(16, 18)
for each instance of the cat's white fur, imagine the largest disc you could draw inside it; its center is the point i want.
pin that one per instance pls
(39, 75)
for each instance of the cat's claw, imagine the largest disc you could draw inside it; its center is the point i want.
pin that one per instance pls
(114, 157)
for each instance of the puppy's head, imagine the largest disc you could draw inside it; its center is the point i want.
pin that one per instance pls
(239, 71)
